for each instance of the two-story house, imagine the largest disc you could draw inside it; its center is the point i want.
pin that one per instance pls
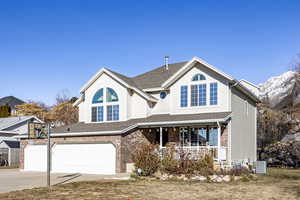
(192, 105)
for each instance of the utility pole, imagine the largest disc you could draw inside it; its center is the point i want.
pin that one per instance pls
(48, 156)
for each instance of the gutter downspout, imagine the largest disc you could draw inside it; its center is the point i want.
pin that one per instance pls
(219, 141)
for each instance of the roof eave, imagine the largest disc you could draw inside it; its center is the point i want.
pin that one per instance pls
(247, 91)
(138, 125)
(104, 70)
(186, 67)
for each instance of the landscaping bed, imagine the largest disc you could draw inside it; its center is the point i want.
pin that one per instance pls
(178, 164)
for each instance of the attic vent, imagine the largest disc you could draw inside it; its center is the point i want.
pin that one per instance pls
(167, 62)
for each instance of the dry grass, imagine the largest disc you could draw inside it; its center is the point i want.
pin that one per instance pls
(279, 184)
(9, 167)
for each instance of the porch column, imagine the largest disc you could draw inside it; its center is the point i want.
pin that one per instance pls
(219, 141)
(160, 137)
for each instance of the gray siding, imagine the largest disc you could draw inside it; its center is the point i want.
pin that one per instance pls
(14, 157)
(243, 128)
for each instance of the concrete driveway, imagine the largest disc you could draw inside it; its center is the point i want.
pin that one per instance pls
(14, 179)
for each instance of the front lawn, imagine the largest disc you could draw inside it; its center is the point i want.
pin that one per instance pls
(279, 184)
(9, 167)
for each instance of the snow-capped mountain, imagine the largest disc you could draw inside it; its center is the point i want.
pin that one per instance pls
(278, 88)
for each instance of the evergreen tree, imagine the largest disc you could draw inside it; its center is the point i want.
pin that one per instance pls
(4, 111)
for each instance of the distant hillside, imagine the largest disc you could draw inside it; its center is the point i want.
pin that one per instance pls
(281, 90)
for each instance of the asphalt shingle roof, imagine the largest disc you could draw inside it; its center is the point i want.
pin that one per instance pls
(155, 78)
(12, 144)
(10, 121)
(118, 126)
(152, 79)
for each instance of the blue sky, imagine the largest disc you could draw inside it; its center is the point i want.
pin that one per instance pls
(47, 47)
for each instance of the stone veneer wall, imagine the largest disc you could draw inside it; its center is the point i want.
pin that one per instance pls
(224, 137)
(131, 141)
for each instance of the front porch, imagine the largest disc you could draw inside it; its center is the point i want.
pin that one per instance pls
(197, 140)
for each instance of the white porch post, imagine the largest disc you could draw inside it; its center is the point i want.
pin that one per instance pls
(160, 137)
(219, 141)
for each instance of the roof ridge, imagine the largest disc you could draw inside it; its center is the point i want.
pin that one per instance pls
(162, 66)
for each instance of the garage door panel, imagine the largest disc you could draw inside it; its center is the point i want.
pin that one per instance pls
(35, 158)
(84, 158)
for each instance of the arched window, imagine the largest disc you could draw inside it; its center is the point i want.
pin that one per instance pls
(111, 95)
(98, 97)
(198, 77)
(107, 107)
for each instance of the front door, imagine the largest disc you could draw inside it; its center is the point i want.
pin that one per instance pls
(165, 137)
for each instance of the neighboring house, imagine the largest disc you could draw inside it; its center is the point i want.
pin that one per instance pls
(12, 102)
(9, 152)
(191, 104)
(10, 127)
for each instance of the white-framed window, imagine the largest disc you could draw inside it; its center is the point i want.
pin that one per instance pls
(197, 92)
(213, 93)
(202, 94)
(97, 113)
(183, 96)
(198, 77)
(205, 136)
(105, 105)
(194, 95)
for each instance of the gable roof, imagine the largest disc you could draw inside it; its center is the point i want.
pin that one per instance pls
(156, 77)
(7, 122)
(11, 144)
(160, 78)
(11, 101)
(127, 82)
(188, 66)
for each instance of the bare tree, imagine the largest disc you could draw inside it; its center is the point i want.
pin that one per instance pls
(63, 112)
(272, 126)
(63, 96)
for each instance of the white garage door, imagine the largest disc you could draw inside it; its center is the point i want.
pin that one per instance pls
(84, 158)
(35, 158)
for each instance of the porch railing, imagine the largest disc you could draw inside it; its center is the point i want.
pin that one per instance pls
(196, 152)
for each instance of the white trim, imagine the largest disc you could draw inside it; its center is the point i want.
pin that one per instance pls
(104, 70)
(160, 138)
(153, 89)
(78, 101)
(255, 135)
(132, 127)
(190, 64)
(246, 91)
(229, 143)
(219, 141)
(9, 132)
(252, 84)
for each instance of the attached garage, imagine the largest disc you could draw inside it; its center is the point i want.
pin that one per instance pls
(35, 158)
(84, 158)
(91, 158)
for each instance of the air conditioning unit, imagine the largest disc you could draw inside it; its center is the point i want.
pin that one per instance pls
(261, 167)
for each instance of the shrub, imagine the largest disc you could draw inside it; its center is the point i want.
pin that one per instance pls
(203, 166)
(147, 159)
(184, 164)
(238, 171)
(169, 164)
